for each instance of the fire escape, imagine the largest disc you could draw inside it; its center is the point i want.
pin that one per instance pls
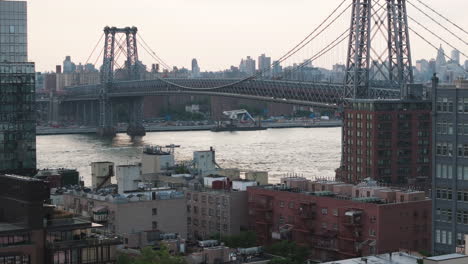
(263, 217)
(350, 236)
(304, 227)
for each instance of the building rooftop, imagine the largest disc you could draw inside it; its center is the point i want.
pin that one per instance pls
(447, 257)
(21, 178)
(110, 194)
(393, 258)
(8, 228)
(365, 192)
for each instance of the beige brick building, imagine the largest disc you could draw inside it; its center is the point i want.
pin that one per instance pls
(212, 212)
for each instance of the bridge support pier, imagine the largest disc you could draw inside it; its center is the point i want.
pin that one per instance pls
(106, 126)
(135, 126)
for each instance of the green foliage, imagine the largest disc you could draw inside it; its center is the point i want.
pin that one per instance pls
(245, 239)
(150, 256)
(425, 253)
(181, 169)
(293, 253)
(278, 260)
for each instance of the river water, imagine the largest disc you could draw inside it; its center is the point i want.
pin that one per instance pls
(308, 152)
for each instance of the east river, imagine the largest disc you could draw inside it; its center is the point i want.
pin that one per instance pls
(308, 152)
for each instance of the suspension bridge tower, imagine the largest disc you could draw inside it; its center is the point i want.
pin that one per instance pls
(131, 70)
(367, 67)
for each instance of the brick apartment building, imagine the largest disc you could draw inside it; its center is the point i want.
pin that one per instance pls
(388, 141)
(337, 220)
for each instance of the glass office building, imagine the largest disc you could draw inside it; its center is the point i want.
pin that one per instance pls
(17, 81)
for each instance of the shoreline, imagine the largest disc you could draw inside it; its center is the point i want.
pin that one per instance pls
(154, 128)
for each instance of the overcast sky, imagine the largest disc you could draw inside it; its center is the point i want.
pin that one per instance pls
(216, 32)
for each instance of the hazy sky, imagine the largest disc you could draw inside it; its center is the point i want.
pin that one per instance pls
(216, 32)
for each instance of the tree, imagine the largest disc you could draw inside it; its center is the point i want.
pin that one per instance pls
(150, 256)
(291, 251)
(245, 239)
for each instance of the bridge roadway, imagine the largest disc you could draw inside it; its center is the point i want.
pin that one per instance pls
(320, 94)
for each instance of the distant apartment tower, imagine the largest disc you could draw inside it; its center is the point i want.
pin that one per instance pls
(195, 68)
(264, 64)
(388, 141)
(450, 171)
(455, 56)
(247, 66)
(277, 69)
(17, 90)
(68, 65)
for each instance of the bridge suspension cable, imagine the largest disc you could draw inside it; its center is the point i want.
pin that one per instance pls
(342, 37)
(164, 65)
(306, 41)
(434, 46)
(438, 23)
(152, 52)
(437, 36)
(440, 15)
(94, 49)
(315, 30)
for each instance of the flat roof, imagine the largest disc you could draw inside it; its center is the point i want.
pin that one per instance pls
(9, 227)
(447, 257)
(397, 258)
(19, 177)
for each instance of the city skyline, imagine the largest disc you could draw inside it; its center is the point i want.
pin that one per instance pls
(193, 34)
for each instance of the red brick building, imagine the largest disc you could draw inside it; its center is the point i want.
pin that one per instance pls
(388, 141)
(338, 221)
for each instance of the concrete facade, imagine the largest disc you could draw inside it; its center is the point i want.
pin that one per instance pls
(133, 213)
(212, 212)
(450, 171)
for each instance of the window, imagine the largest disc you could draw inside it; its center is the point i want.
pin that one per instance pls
(154, 225)
(155, 211)
(460, 239)
(437, 237)
(372, 232)
(324, 211)
(291, 205)
(335, 212)
(281, 203)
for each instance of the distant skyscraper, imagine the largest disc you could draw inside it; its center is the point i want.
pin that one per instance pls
(68, 65)
(277, 69)
(195, 68)
(455, 56)
(440, 60)
(466, 65)
(247, 66)
(432, 66)
(17, 115)
(264, 64)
